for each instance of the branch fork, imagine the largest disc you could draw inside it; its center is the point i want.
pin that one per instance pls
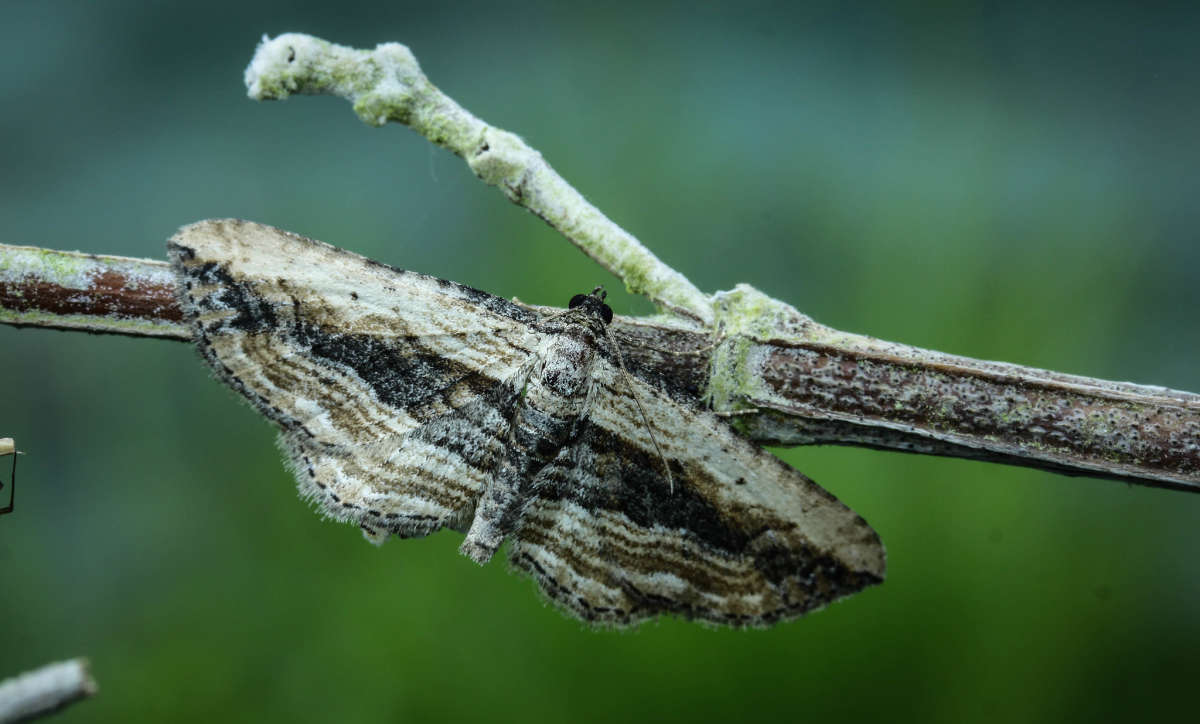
(778, 375)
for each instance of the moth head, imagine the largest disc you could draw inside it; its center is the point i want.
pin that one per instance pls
(593, 304)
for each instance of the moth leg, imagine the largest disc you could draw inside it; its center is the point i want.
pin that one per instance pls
(537, 438)
(497, 510)
(495, 517)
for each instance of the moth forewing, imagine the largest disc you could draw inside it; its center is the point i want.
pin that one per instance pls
(338, 289)
(739, 476)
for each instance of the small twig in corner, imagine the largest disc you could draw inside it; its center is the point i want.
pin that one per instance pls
(46, 690)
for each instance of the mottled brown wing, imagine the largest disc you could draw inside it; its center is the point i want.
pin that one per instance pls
(742, 540)
(413, 484)
(385, 383)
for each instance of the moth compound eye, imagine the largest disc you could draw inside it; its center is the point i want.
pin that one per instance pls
(606, 313)
(576, 301)
(291, 54)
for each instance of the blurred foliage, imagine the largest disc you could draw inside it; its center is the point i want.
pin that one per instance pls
(988, 179)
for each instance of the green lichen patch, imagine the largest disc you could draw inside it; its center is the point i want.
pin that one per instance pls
(746, 311)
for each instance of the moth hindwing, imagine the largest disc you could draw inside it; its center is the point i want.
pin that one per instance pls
(408, 404)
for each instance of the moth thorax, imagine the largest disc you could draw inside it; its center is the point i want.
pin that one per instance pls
(567, 367)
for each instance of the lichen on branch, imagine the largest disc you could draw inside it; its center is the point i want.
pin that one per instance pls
(386, 84)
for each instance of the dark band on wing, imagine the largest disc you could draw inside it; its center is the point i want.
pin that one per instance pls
(401, 376)
(634, 485)
(398, 370)
(767, 582)
(252, 313)
(730, 553)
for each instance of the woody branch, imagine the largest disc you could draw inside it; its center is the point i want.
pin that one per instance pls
(782, 377)
(803, 384)
(792, 380)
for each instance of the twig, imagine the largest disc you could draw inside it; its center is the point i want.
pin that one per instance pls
(781, 377)
(386, 84)
(9, 447)
(46, 690)
(89, 292)
(790, 380)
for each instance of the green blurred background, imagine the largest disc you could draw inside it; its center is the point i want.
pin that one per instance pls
(991, 180)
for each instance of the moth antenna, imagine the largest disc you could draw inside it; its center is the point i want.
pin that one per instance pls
(637, 401)
(683, 353)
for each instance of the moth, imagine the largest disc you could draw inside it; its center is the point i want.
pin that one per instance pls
(408, 404)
